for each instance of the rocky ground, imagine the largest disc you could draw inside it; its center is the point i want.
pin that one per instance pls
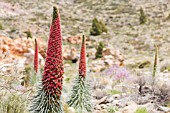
(126, 40)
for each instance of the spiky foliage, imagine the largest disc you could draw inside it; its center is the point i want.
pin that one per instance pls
(1, 27)
(98, 27)
(155, 61)
(36, 57)
(80, 96)
(141, 110)
(142, 18)
(28, 33)
(48, 98)
(99, 52)
(12, 102)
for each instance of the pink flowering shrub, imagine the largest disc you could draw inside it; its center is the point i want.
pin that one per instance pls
(117, 72)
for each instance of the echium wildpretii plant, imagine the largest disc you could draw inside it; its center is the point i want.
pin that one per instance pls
(155, 61)
(35, 76)
(155, 66)
(80, 98)
(48, 97)
(36, 57)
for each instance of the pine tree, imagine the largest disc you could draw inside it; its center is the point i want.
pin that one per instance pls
(99, 52)
(142, 18)
(48, 97)
(98, 27)
(80, 97)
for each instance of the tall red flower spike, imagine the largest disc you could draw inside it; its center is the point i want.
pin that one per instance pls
(36, 57)
(82, 64)
(80, 98)
(53, 70)
(48, 98)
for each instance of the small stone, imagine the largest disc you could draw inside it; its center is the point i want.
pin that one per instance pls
(106, 52)
(104, 111)
(103, 106)
(109, 104)
(116, 96)
(74, 39)
(97, 111)
(102, 100)
(110, 99)
(97, 107)
(69, 54)
(119, 104)
(109, 62)
(130, 103)
(5, 48)
(166, 109)
(71, 110)
(115, 102)
(98, 94)
(124, 94)
(67, 65)
(131, 108)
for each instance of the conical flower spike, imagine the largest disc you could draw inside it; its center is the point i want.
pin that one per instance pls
(80, 97)
(53, 71)
(48, 97)
(36, 57)
(82, 65)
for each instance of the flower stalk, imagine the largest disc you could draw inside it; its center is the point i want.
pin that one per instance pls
(155, 61)
(36, 57)
(80, 98)
(82, 64)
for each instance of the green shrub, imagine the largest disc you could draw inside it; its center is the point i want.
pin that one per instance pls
(99, 53)
(33, 19)
(30, 77)
(28, 33)
(168, 17)
(98, 27)
(113, 92)
(144, 64)
(80, 97)
(12, 103)
(142, 18)
(111, 109)
(67, 79)
(155, 62)
(141, 110)
(104, 29)
(1, 27)
(168, 104)
(13, 30)
(165, 68)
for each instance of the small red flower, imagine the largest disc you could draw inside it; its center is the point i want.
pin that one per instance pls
(82, 64)
(36, 57)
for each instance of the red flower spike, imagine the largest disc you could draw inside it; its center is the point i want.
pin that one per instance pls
(36, 57)
(53, 70)
(82, 64)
